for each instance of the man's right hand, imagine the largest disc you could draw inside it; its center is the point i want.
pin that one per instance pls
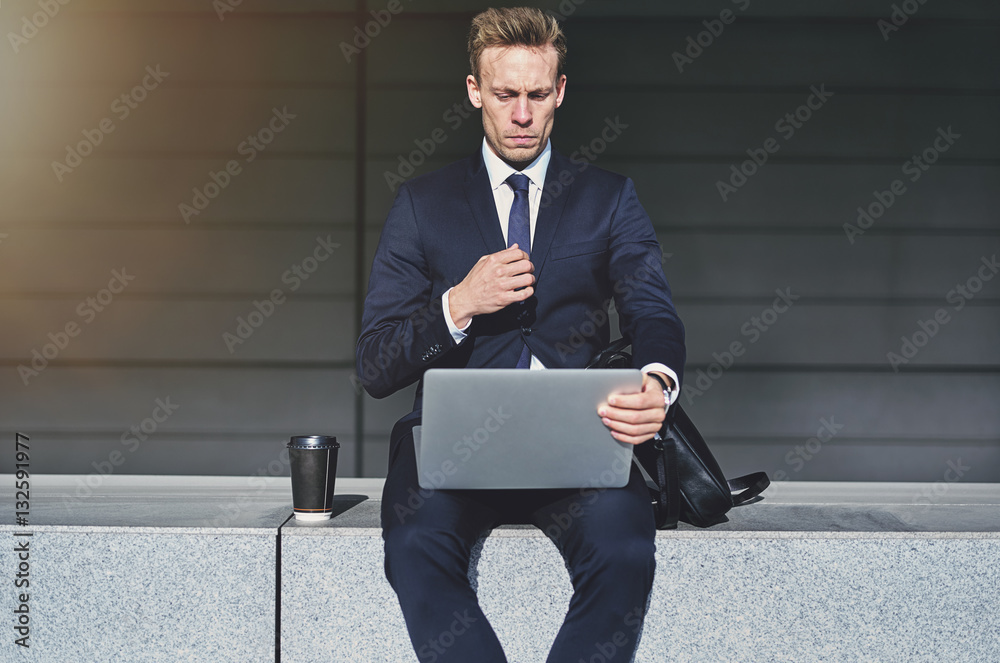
(494, 282)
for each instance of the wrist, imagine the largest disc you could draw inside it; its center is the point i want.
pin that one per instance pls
(460, 315)
(667, 386)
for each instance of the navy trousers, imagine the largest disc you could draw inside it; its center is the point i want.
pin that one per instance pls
(605, 535)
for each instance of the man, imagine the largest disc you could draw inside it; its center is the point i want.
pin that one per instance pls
(444, 292)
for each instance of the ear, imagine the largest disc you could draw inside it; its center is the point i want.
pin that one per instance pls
(475, 95)
(560, 90)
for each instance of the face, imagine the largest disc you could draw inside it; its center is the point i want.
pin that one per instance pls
(519, 92)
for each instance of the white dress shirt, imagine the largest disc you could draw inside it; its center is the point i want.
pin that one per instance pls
(503, 196)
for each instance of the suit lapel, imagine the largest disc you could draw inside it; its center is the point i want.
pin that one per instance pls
(484, 209)
(550, 210)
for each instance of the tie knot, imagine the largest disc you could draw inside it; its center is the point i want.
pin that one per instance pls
(518, 182)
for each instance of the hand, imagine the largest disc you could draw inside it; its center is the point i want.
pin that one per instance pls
(494, 282)
(635, 418)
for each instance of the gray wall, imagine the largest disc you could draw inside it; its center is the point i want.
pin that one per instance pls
(162, 337)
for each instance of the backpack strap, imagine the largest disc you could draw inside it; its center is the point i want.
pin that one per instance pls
(668, 496)
(748, 486)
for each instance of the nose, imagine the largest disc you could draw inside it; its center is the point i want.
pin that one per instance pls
(522, 112)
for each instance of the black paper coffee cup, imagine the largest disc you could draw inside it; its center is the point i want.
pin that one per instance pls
(313, 461)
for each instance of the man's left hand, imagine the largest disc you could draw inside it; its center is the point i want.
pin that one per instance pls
(635, 418)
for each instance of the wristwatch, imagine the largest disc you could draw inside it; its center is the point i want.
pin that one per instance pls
(666, 389)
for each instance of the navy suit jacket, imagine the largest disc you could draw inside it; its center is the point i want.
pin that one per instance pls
(593, 243)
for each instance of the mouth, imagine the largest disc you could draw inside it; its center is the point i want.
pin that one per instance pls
(522, 140)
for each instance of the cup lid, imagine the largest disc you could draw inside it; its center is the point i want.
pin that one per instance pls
(314, 441)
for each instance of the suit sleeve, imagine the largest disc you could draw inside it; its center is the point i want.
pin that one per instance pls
(403, 327)
(642, 295)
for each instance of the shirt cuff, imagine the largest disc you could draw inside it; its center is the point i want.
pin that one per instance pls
(660, 368)
(460, 334)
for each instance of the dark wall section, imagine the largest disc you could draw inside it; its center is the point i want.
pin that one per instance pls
(220, 219)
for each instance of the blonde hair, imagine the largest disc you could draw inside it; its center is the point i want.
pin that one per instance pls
(514, 26)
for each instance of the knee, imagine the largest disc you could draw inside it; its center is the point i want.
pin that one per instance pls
(636, 552)
(631, 555)
(417, 551)
(407, 542)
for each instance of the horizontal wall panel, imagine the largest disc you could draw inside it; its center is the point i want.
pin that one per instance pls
(924, 55)
(187, 260)
(870, 404)
(620, 53)
(877, 405)
(381, 183)
(826, 266)
(643, 10)
(272, 7)
(863, 460)
(875, 267)
(213, 400)
(222, 330)
(254, 456)
(837, 335)
(287, 50)
(813, 196)
(136, 189)
(381, 414)
(858, 127)
(179, 120)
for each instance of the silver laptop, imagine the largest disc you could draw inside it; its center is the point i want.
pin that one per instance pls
(518, 428)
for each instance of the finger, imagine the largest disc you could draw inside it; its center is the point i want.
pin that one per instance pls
(511, 254)
(642, 401)
(633, 434)
(519, 281)
(653, 415)
(522, 294)
(631, 439)
(518, 267)
(643, 425)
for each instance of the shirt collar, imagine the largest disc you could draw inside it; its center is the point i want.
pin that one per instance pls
(499, 170)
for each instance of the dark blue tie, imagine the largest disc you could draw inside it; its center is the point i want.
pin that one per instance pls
(519, 232)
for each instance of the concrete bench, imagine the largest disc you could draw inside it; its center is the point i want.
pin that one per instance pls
(211, 569)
